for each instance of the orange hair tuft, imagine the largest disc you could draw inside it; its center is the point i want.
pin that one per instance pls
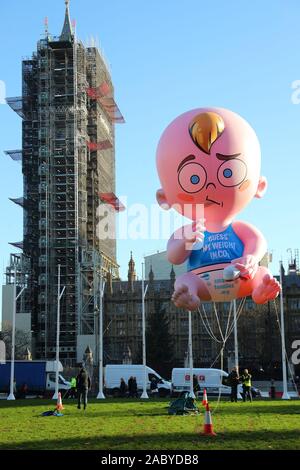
(205, 129)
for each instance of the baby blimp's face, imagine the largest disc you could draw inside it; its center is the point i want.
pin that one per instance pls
(209, 157)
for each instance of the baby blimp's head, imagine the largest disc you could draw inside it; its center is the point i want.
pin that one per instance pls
(209, 156)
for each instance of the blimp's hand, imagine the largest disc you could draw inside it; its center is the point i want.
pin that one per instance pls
(194, 233)
(247, 265)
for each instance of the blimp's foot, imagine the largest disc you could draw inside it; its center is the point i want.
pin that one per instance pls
(267, 290)
(182, 298)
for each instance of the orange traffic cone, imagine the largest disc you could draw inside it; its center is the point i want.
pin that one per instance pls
(204, 401)
(208, 426)
(59, 405)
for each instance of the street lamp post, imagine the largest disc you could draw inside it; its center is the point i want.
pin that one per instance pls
(191, 356)
(144, 292)
(59, 296)
(11, 395)
(236, 346)
(101, 395)
(285, 395)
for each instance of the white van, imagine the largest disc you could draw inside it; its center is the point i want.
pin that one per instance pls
(211, 379)
(114, 372)
(63, 384)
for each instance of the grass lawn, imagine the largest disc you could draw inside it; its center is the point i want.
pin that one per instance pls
(128, 424)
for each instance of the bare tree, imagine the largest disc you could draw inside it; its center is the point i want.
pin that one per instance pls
(22, 342)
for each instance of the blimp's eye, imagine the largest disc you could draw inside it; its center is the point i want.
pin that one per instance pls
(192, 177)
(227, 173)
(232, 172)
(195, 179)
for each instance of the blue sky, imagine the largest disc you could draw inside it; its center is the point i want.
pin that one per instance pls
(168, 57)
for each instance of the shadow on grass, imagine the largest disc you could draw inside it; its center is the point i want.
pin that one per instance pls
(111, 414)
(137, 408)
(183, 440)
(91, 401)
(26, 403)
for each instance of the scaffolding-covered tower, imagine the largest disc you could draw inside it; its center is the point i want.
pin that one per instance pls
(68, 161)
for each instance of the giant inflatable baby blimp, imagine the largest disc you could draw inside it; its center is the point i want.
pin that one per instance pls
(208, 162)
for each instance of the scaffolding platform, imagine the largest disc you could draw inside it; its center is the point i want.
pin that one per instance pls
(19, 245)
(113, 200)
(20, 201)
(15, 155)
(16, 104)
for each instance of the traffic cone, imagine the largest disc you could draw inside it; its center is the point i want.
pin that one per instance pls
(204, 401)
(208, 426)
(59, 405)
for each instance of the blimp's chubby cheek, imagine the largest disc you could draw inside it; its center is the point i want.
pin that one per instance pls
(185, 197)
(245, 185)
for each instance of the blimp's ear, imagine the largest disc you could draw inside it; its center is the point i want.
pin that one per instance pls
(261, 187)
(162, 200)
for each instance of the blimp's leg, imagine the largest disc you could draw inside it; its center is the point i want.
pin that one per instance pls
(188, 291)
(263, 287)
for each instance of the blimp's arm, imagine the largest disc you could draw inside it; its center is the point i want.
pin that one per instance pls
(255, 247)
(182, 241)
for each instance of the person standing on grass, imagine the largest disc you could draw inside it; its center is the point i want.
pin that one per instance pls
(233, 380)
(72, 393)
(23, 390)
(83, 384)
(130, 382)
(246, 382)
(134, 388)
(196, 387)
(273, 390)
(123, 388)
(153, 387)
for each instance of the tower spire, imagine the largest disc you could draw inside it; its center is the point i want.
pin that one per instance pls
(131, 272)
(67, 32)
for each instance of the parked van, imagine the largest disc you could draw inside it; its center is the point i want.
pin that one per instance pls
(211, 379)
(39, 376)
(114, 372)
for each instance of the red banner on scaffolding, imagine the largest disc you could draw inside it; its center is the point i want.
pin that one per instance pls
(107, 102)
(99, 92)
(104, 89)
(111, 198)
(103, 145)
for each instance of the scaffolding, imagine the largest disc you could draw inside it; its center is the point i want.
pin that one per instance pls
(93, 265)
(67, 160)
(294, 260)
(104, 95)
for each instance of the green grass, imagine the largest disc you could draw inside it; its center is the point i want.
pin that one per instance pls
(129, 424)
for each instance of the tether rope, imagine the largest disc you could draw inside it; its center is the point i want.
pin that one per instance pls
(207, 325)
(224, 338)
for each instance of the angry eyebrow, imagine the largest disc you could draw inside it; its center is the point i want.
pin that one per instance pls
(187, 159)
(220, 156)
